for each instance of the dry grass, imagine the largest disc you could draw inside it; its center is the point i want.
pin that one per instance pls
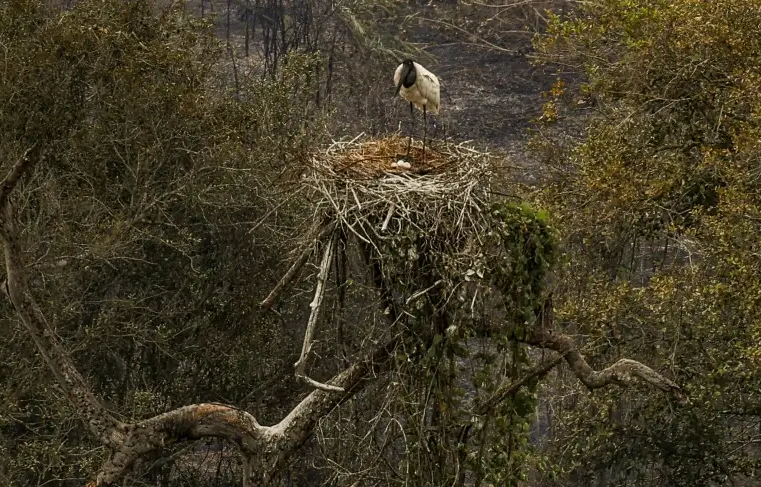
(364, 158)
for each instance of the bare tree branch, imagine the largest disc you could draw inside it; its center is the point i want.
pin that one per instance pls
(507, 387)
(316, 304)
(292, 272)
(620, 373)
(269, 447)
(183, 424)
(298, 425)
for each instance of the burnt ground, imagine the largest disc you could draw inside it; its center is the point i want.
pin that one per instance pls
(492, 96)
(489, 96)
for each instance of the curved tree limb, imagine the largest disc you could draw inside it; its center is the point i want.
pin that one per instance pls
(101, 423)
(182, 424)
(620, 373)
(268, 447)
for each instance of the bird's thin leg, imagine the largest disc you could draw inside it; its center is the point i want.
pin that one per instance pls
(412, 129)
(425, 129)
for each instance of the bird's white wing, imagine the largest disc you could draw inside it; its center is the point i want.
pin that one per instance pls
(428, 85)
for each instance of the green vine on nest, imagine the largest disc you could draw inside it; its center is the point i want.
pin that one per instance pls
(525, 249)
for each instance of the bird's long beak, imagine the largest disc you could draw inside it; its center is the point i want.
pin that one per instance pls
(399, 85)
(405, 73)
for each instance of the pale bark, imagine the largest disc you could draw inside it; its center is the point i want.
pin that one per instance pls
(316, 305)
(620, 373)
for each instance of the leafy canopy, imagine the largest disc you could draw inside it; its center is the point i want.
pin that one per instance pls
(658, 208)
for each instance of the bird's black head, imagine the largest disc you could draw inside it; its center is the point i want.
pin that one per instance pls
(409, 75)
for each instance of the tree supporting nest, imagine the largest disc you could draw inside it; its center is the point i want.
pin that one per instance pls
(435, 245)
(433, 232)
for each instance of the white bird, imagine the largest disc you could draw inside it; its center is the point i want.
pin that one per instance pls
(420, 88)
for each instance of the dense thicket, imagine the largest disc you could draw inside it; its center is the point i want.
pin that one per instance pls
(167, 189)
(142, 222)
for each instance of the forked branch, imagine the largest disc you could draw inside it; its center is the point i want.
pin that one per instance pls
(316, 305)
(293, 271)
(269, 447)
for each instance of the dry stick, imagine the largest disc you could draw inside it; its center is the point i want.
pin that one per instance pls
(506, 389)
(424, 291)
(294, 269)
(319, 292)
(14, 175)
(388, 217)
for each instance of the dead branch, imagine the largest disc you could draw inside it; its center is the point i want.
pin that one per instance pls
(418, 294)
(508, 388)
(271, 446)
(620, 373)
(293, 271)
(319, 385)
(184, 424)
(316, 305)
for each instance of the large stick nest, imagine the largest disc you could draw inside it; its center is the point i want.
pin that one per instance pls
(436, 209)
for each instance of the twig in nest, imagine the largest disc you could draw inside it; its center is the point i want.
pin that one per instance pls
(319, 293)
(388, 217)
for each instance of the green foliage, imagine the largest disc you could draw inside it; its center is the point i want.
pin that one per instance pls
(657, 214)
(524, 254)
